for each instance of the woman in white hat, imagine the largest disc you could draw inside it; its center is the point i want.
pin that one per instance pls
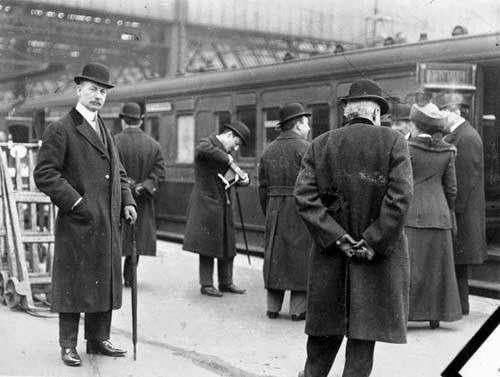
(430, 223)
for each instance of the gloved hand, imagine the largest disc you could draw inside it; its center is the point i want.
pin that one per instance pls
(138, 190)
(345, 244)
(363, 251)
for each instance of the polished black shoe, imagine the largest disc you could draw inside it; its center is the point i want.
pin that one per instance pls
(272, 315)
(299, 317)
(70, 357)
(104, 347)
(434, 324)
(231, 288)
(210, 290)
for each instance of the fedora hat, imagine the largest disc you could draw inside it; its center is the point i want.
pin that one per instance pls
(240, 129)
(367, 90)
(95, 72)
(131, 110)
(400, 111)
(291, 111)
(428, 115)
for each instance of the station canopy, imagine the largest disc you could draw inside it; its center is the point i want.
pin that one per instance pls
(44, 43)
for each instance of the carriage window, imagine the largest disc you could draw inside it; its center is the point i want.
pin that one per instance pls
(271, 118)
(152, 127)
(320, 120)
(185, 139)
(248, 115)
(222, 118)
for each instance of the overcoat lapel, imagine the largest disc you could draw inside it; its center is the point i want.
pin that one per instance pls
(88, 132)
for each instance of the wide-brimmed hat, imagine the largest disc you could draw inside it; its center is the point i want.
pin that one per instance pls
(428, 115)
(443, 100)
(131, 110)
(291, 111)
(240, 129)
(95, 72)
(367, 90)
(400, 111)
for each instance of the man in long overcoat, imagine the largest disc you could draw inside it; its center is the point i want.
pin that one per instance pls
(143, 161)
(287, 240)
(470, 242)
(79, 169)
(353, 191)
(210, 227)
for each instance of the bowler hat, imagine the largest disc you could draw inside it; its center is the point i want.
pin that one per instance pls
(95, 72)
(400, 111)
(291, 111)
(240, 129)
(443, 100)
(428, 115)
(131, 110)
(367, 90)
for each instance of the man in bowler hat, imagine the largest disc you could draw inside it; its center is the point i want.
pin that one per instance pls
(400, 120)
(287, 241)
(210, 227)
(353, 191)
(79, 169)
(469, 245)
(143, 161)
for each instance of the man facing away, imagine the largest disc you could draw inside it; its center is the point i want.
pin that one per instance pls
(210, 227)
(287, 240)
(353, 192)
(79, 169)
(469, 246)
(143, 161)
(401, 119)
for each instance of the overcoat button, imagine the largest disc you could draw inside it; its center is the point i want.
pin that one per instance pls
(106, 176)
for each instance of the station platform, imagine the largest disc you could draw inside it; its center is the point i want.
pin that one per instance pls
(184, 334)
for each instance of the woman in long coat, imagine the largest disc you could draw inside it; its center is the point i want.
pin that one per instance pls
(433, 288)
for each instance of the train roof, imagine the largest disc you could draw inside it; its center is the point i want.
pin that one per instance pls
(363, 62)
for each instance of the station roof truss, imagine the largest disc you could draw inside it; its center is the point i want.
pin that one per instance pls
(42, 46)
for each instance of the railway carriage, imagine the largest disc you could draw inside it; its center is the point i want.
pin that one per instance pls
(180, 110)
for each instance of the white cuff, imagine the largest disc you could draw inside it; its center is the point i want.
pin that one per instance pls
(74, 205)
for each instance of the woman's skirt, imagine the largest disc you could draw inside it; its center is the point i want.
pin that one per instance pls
(433, 285)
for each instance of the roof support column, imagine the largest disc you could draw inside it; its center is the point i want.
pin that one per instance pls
(178, 40)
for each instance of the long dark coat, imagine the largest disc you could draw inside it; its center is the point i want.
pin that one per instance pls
(210, 226)
(358, 180)
(433, 288)
(142, 159)
(72, 163)
(287, 240)
(470, 242)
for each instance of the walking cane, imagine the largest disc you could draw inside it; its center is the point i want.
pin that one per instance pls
(242, 224)
(134, 289)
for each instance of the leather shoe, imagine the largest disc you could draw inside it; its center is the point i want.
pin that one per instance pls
(272, 315)
(210, 290)
(299, 317)
(70, 357)
(231, 288)
(104, 347)
(433, 324)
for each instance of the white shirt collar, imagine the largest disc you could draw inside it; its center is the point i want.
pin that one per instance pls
(87, 114)
(457, 123)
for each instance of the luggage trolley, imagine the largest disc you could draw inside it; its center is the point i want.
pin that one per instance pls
(27, 219)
